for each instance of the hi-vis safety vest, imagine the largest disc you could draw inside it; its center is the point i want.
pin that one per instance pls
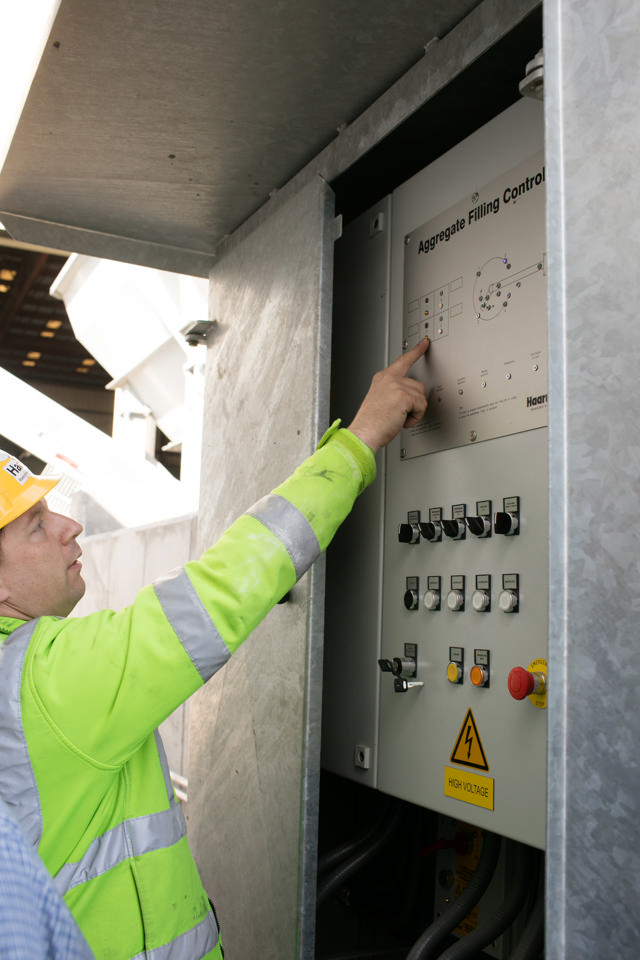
(81, 762)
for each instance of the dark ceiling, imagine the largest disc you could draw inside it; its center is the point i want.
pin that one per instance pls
(37, 342)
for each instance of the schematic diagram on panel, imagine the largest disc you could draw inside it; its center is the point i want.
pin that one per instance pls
(496, 284)
(475, 284)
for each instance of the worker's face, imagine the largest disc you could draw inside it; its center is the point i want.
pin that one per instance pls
(39, 565)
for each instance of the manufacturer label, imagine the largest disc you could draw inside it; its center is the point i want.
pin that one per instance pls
(469, 787)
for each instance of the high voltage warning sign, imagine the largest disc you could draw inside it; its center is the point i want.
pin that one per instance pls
(468, 750)
(462, 784)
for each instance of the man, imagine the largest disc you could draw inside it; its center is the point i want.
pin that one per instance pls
(81, 698)
(35, 922)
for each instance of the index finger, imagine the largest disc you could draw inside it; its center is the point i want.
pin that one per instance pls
(403, 363)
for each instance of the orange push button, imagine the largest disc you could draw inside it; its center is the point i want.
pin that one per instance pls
(479, 675)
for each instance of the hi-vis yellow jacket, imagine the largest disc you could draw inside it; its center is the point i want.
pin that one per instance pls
(81, 762)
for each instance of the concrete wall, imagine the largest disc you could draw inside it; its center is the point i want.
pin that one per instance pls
(592, 75)
(254, 744)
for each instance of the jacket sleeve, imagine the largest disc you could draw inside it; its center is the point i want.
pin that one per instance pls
(105, 681)
(263, 554)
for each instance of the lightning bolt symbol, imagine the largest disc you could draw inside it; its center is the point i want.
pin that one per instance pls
(468, 739)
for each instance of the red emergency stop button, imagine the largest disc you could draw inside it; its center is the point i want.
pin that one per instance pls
(522, 683)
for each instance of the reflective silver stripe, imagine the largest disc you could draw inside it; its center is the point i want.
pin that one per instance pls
(194, 627)
(131, 838)
(17, 780)
(290, 527)
(192, 945)
(164, 763)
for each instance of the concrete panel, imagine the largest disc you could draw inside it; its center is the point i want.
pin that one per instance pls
(254, 743)
(592, 73)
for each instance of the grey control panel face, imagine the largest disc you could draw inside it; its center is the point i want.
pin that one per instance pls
(436, 692)
(475, 284)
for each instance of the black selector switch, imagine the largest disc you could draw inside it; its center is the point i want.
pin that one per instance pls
(480, 525)
(412, 592)
(456, 528)
(507, 521)
(431, 529)
(409, 532)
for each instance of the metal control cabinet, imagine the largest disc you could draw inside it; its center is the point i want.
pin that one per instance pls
(463, 533)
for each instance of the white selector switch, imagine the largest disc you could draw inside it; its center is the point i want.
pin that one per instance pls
(432, 600)
(455, 600)
(480, 600)
(508, 601)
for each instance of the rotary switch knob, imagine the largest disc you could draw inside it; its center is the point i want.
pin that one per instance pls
(454, 529)
(480, 600)
(411, 599)
(508, 601)
(455, 600)
(506, 523)
(408, 532)
(479, 526)
(431, 600)
(431, 530)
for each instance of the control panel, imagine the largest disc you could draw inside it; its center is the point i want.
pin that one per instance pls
(457, 720)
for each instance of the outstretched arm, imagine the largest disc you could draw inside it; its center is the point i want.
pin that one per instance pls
(393, 401)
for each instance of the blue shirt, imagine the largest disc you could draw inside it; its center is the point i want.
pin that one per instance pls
(35, 922)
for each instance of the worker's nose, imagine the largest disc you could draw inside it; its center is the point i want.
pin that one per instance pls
(70, 529)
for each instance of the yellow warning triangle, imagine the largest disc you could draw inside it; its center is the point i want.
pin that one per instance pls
(468, 750)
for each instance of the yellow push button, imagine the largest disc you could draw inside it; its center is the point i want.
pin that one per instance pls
(454, 672)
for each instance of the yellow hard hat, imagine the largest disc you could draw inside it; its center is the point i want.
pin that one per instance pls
(19, 488)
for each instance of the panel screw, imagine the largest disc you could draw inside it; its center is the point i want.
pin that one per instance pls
(403, 453)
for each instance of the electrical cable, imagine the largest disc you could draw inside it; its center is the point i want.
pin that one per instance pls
(354, 863)
(468, 946)
(531, 942)
(371, 953)
(339, 853)
(429, 942)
